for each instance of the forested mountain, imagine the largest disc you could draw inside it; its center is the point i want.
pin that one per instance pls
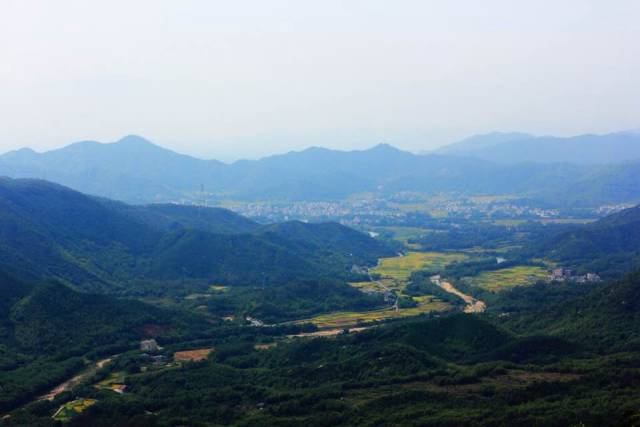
(169, 217)
(582, 149)
(47, 230)
(610, 245)
(459, 370)
(137, 171)
(607, 319)
(46, 328)
(132, 169)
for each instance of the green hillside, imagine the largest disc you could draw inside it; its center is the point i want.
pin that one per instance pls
(610, 246)
(47, 329)
(50, 231)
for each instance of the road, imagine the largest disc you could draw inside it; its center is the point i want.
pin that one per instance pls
(72, 382)
(473, 305)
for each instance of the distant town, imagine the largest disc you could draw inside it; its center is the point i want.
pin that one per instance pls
(407, 207)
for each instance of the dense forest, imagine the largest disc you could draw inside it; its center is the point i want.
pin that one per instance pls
(101, 246)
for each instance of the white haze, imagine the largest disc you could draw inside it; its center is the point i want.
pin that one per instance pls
(236, 79)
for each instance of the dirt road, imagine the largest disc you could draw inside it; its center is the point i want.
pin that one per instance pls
(72, 382)
(473, 305)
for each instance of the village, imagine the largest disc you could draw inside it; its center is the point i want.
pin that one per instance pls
(562, 274)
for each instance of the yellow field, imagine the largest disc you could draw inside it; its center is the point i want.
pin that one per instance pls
(498, 280)
(426, 304)
(114, 382)
(68, 410)
(395, 273)
(192, 355)
(401, 267)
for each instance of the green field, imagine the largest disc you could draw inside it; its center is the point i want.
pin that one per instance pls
(70, 409)
(498, 280)
(402, 234)
(516, 222)
(377, 285)
(114, 382)
(394, 274)
(401, 267)
(343, 319)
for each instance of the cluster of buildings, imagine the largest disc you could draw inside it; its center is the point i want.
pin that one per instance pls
(468, 207)
(609, 209)
(567, 275)
(369, 209)
(347, 210)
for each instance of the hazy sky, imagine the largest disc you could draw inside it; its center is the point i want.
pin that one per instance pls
(229, 79)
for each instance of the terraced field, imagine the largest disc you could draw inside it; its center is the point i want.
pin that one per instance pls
(506, 278)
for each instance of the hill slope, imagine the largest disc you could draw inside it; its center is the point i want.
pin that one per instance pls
(47, 230)
(610, 246)
(46, 329)
(607, 319)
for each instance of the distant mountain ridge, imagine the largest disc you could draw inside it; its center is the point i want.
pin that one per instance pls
(512, 148)
(479, 142)
(136, 171)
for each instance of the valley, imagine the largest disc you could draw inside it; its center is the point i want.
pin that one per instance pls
(319, 214)
(445, 309)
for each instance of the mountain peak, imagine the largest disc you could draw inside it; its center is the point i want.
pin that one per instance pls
(19, 154)
(134, 140)
(384, 148)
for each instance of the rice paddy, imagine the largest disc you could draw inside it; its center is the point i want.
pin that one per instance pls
(344, 319)
(401, 267)
(506, 278)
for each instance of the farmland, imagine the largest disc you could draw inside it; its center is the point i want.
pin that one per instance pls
(426, 304)
(192, 355)
(114, 382)
(402, 234)
(394, 274)
(506, 278)
(401, 267)
(381, 285)
(70, 409)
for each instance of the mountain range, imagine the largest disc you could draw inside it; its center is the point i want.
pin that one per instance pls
(514, 147)
(135, 170)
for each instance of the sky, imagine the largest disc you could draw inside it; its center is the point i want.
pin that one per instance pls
(245, 79)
